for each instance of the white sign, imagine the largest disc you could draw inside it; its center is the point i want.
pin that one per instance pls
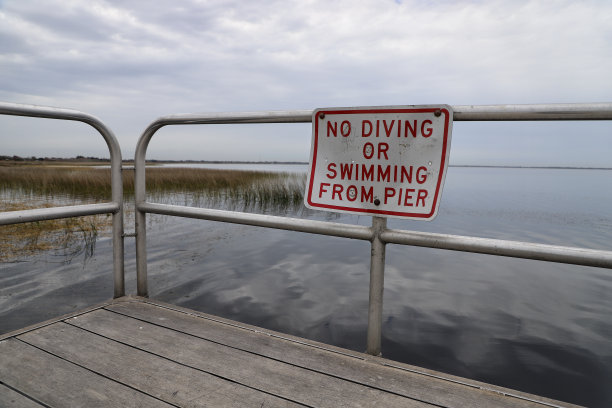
(384, 161)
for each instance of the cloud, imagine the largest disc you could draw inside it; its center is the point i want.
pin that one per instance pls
(129, 62)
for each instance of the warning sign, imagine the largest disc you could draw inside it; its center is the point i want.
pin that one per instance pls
(387, 161)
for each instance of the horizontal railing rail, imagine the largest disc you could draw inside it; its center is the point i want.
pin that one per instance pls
(260, 220)
(115, 207)
(378, 234)
(54, 213)
(489, 246)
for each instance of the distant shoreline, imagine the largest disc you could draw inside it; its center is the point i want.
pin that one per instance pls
(81, 160)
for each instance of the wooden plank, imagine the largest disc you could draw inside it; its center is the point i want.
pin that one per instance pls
(422, 387)
(169, 381)
(58, 383)
(275, 377)
(13, 399)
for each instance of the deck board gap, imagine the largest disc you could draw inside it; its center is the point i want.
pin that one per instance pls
(93, 371)
(42, 404)
(327, 374)
(186, 365)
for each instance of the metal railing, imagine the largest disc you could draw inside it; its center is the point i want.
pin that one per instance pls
(114, 207)
(378, 234)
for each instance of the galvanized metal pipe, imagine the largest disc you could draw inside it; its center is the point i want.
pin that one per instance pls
(292, 116)
(520, 112)
(555, 111)
(53, 213)
(116, 208)
(377, 283)
(515, 249)
(260, 220)
(140, 220)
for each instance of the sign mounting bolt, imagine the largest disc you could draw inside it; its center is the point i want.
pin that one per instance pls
(322, 116)
(438, 112)
(377, 202)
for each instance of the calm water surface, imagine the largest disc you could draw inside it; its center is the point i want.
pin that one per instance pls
(538, 327)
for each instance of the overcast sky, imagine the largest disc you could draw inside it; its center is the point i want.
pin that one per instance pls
(129, 62)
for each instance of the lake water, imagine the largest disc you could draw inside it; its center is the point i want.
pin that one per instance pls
(539, 327)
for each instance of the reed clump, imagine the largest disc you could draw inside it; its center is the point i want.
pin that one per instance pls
(278, 195)
(207, 180)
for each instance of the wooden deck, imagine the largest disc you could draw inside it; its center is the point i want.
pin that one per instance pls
(134, 352)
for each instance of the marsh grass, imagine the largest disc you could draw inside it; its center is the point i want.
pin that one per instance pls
(235, 186)
(278, 195)
(75, 182)
(231, 189)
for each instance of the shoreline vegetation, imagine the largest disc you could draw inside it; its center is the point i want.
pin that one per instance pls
(87, 183)
(25, 186)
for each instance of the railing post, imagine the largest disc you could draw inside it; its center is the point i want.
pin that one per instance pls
(140, 218)
(377, 281)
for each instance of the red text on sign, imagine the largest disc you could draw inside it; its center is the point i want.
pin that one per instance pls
(397, 128)
(372, 172)
(368, 150)
(352, 193)
(345, 128)
(405, 196)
